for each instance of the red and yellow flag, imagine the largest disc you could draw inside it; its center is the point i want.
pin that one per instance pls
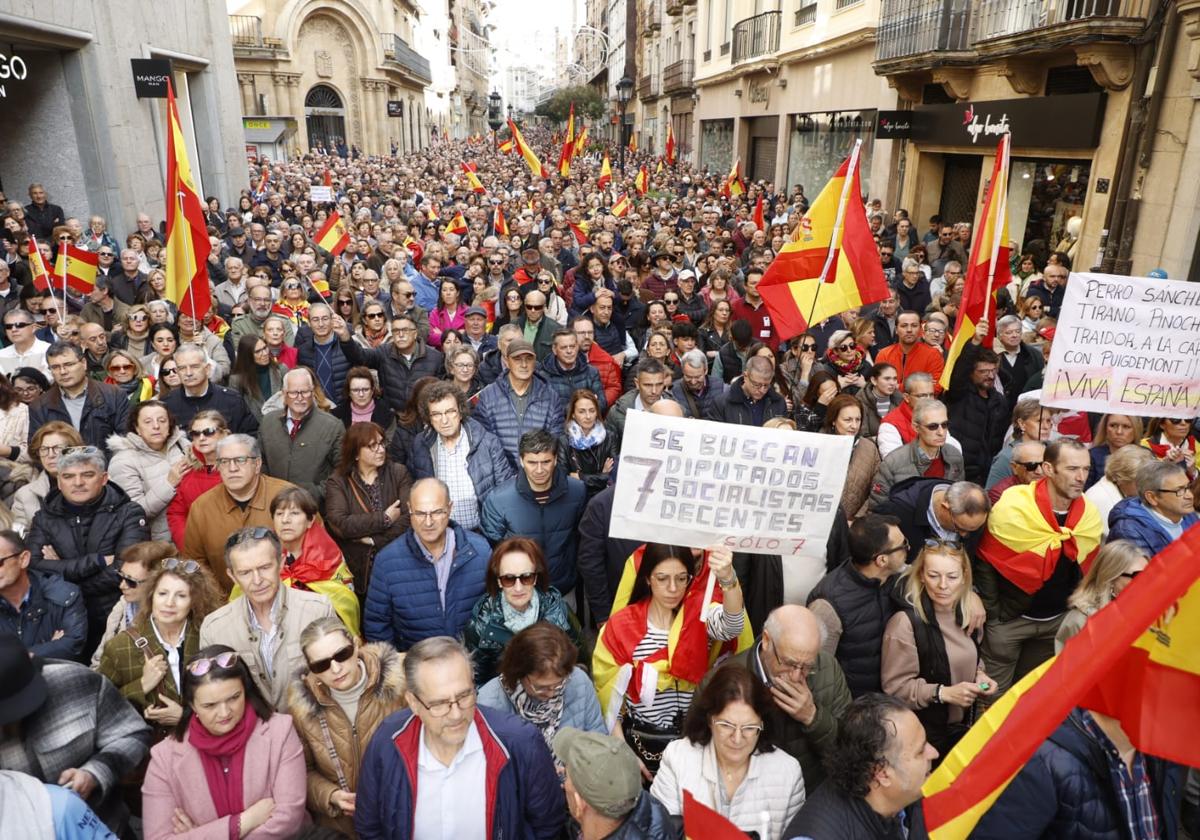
(621, 208)
(633, 142)
(499, 225)
(760, 221)
(433, 214)
(531, 159)
(988, 270)
(187, 247)
(77, 267)
(328, 178)
(580, 142)
(642, 181)
(507, 146)
(473, 179)
(605, 173)
(37, 267)
(831, 265)
(670, 145)
(658, 169)
(568, 149)
(580, 230)
(1149, 679)
(333, 235)
(703, 823)
(735, 186)
(457, 225)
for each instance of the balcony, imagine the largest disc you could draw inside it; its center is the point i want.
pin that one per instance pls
(650, 87)
(756, 36)
(246, 30)
(677, 78)
(1035, 20)
(395, 50)
(806, 15)
(915, 27)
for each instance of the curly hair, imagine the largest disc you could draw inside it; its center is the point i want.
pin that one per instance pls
(864, 741)
(202, 587)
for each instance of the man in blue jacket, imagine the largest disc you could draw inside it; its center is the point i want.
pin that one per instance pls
(449, 769)
(541, 503)
(1160, 512)
(40, 608)
(519, 401)
(425, 582)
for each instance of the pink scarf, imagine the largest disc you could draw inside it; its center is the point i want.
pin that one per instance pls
(222, 757)
(362, 415)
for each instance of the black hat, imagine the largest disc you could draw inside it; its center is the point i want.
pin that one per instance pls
(22, 686)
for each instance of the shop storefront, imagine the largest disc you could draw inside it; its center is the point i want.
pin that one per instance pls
(716, 145)
(820, 142)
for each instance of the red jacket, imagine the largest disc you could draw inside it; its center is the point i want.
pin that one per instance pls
(610, 373)
(921, 357)
(194, 485)
(761, 328)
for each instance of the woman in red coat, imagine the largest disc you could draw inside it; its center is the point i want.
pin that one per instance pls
(206, 429)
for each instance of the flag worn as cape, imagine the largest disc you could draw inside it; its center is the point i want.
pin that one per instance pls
(333, 235)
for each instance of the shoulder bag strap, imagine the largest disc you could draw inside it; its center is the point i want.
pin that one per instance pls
(333, 756)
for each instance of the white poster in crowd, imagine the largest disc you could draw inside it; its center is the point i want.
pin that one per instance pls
(697, 483)
(1126, 345)
(320, 195)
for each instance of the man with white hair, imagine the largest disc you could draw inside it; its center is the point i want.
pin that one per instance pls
(300, 442)
(1018, 361)
(913, 287)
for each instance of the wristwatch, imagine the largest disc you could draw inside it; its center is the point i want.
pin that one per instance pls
(937, 694)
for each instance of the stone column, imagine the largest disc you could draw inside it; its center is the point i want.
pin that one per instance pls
(246, 89)
(370, 116)
(280, 101)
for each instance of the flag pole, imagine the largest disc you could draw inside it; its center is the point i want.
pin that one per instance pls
(49, 279)
(998, 224)
(837, 226)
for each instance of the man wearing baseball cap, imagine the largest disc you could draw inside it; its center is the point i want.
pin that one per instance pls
(604, 789)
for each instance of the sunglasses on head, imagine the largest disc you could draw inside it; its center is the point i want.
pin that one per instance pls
(174, 564)
(200, 667)
(320, 666)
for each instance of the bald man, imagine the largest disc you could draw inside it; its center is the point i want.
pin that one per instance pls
(807, 686)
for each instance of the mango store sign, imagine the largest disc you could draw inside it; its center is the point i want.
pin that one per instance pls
(1126, 345)
(697, 483)
(12, 69)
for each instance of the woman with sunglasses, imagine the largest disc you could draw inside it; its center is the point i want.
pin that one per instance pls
(556, 307)
(126, 372)
(149, 461)
(846, 360)
(511, 311)
(205, 431)
(1116, 565)
(930, 661)
(45, 446)
(345, 305)
(134, 569)
(448, 314)
(144, 660)
(1172, 439)
(518, 595)
(374, 330)
(134, 334)
(293, 301)
(256, 374)
(337, 702)
(233, 767)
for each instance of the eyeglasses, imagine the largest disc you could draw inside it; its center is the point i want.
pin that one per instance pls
(320, 666)
(1175, 491)
(200, 667)
(440, 708)
(954, 543)
(298, 395)
(375, 445)
(105, 254)
(196, 434)
(808, 347)
(131, 582)
(18, 325)
(429, 515)
(373, 315)
(845, 347)
(1032, 466)
(509, 581)
(889, 551)
(746, 730)
(119, 368)
(169, 371)
(174, 564)
(803, 668)
(406, 294)
(345, 302)
(239, 460)
(405, 330)
(670, 301)
(534, 307)
(933, 427)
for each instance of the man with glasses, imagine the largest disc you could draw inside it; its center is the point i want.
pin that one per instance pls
(199, 393)
(399, 363)
(750, 400)
(300, 442)
(979, 413)
(662, 279)
(475, 332)
(231, 293)
(41, 608)
(193, 331)
(442, 768)
(699, 395)
(690, 303)
(317, 348)
(425, 582)
(951, 274)
(935, 509)
(913, 288)
(945, 248)
(23, 348)
(242, 500)
(1160, 512)
(538, 329)
(81, 530)
(97, 410)
(403, 303)
(519, 401)
(102, 308)
(260, 306)
(264, 623)
(606, 366)
(1026, 462)
(926, 455)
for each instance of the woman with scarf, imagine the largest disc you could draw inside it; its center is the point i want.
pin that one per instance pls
(293, 299)
(274, 334)
(337, 702)
(204, 433)
(126, 372)
(135, 335)
(540, 683)
(374, 330)
(930, 661)
(653, 651)
(846, 360)
(256, 374)
(589, 451)
(233, 766)
(1171, 439)
(362, 400)
(880, 395)
(844, 417)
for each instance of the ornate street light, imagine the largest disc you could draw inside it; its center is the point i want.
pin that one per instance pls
(624, 93)
(494, 120)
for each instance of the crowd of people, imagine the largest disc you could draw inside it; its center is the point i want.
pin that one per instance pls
(347, 530)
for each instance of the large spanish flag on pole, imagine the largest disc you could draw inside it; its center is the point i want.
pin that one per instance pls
(77, 267)
(531, 159)
(580, 142)
(670, 145)
(187, 237)
(988, 270)
(1137, 660)
(568, 149)
(831, 264)
(605, 173)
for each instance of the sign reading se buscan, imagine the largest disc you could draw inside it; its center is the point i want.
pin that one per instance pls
(1126, 345)
(697, 483)
(150, 77)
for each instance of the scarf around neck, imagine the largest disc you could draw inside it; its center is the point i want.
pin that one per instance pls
(581, 441)
(546, 715)
(843, 367)
(518, 621)
(223, 758)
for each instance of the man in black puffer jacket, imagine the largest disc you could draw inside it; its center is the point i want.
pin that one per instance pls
(750, 400)
(979, 414)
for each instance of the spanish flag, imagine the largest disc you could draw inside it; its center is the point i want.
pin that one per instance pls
(580, 230)
(77, 267)
(187, 237)
(37, 267)
(568, 149)
(328, 178)
(633, 142)
(831, 264)
(760, 221)
(580, 142)
(1137, 660)
(703, 823)
(605, 173)
(531, 159)
(735, 186)
(621, 208)
(641, 181)
(988, 270)
(321, 287)
(670, 145)
(499, 225)
(507, 146)
(333, 235)
(434, 216)
(457, 225)
(414, 248)
(473, 179)
(658, 169)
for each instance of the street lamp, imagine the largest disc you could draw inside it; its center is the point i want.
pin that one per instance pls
(624, 92)
(510, 112)
(494, 122)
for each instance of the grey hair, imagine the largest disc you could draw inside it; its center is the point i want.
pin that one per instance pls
(759, 365)
(922, 409)
(910, 264)
(314, 306)
(1150, 475)
(83, 455)
(967, 498)
(189, 349)
(509, 329)
(244, 537)
(1025, 446)
(915, 377)
(433, 649)
(311, 379)
(247, 441)
(1123, 464)
(950, 263)
(1007, 321)
(694, 358)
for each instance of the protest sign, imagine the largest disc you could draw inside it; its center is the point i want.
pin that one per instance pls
(320, 195)
(1126, 345)
(697, 483)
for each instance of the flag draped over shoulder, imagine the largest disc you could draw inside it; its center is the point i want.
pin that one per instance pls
(831, 264)
(187, 245)
(473, 179)
(568, 149)
(703, 823)
(77, 267)
(531, 159)
(37, 267)
(988, 270)
(605, 173)
(1149, 679)
(333, 235)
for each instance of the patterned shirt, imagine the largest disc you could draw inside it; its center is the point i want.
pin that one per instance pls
(451, 467)
(268, 641)
(1134, 790)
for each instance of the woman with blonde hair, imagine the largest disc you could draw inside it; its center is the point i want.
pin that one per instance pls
(45, 446)
(1115, 567)
(135, 333)
(1113, 432)
(1119, 482)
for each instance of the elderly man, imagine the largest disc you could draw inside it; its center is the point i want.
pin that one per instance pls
(925, 455)
(807, 687)
(603, 785)
(232, 292)
(598, 357)
(199, 393)
(242, 500)
(935, 509)
(403, 304)
(1018, 361)
(650, 379)
(42, 217)
(24, 348)
(300, 442)
(400, 363)
(698, 394)
(1160, 512)
(145, 229)
(913, 287)
(475, 332)
(567, 371)
(458, 451)
(447, 769)
(193, 331)
(519, 402)
(609, 333)
(64, 724)
(42, 609)
(750, 399)
(1027, 458)
(102, 308)
(426, 582)
(896, 427)
(264, 623)
(82, 527)
(317, 348)
(950, 274)
(536, 328)
(95, 409)
(260, 306)
(126, 284)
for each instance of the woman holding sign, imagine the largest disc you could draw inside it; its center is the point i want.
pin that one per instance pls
(674, 617)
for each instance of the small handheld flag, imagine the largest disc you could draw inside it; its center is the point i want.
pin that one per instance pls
(605, 173)
(499, 225)
(473, 179)
(37, 267)
(622, 206)
(77, 267)
(457, 225)
(568, 149)
(642, 182)
(759, 219)
(333, 235)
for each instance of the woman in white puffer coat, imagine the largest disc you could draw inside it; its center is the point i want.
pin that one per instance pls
(149, 461)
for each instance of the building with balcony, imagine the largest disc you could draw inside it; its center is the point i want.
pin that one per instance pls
(471, 58)
(787, 87)
(666, 84)
(334, 72)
